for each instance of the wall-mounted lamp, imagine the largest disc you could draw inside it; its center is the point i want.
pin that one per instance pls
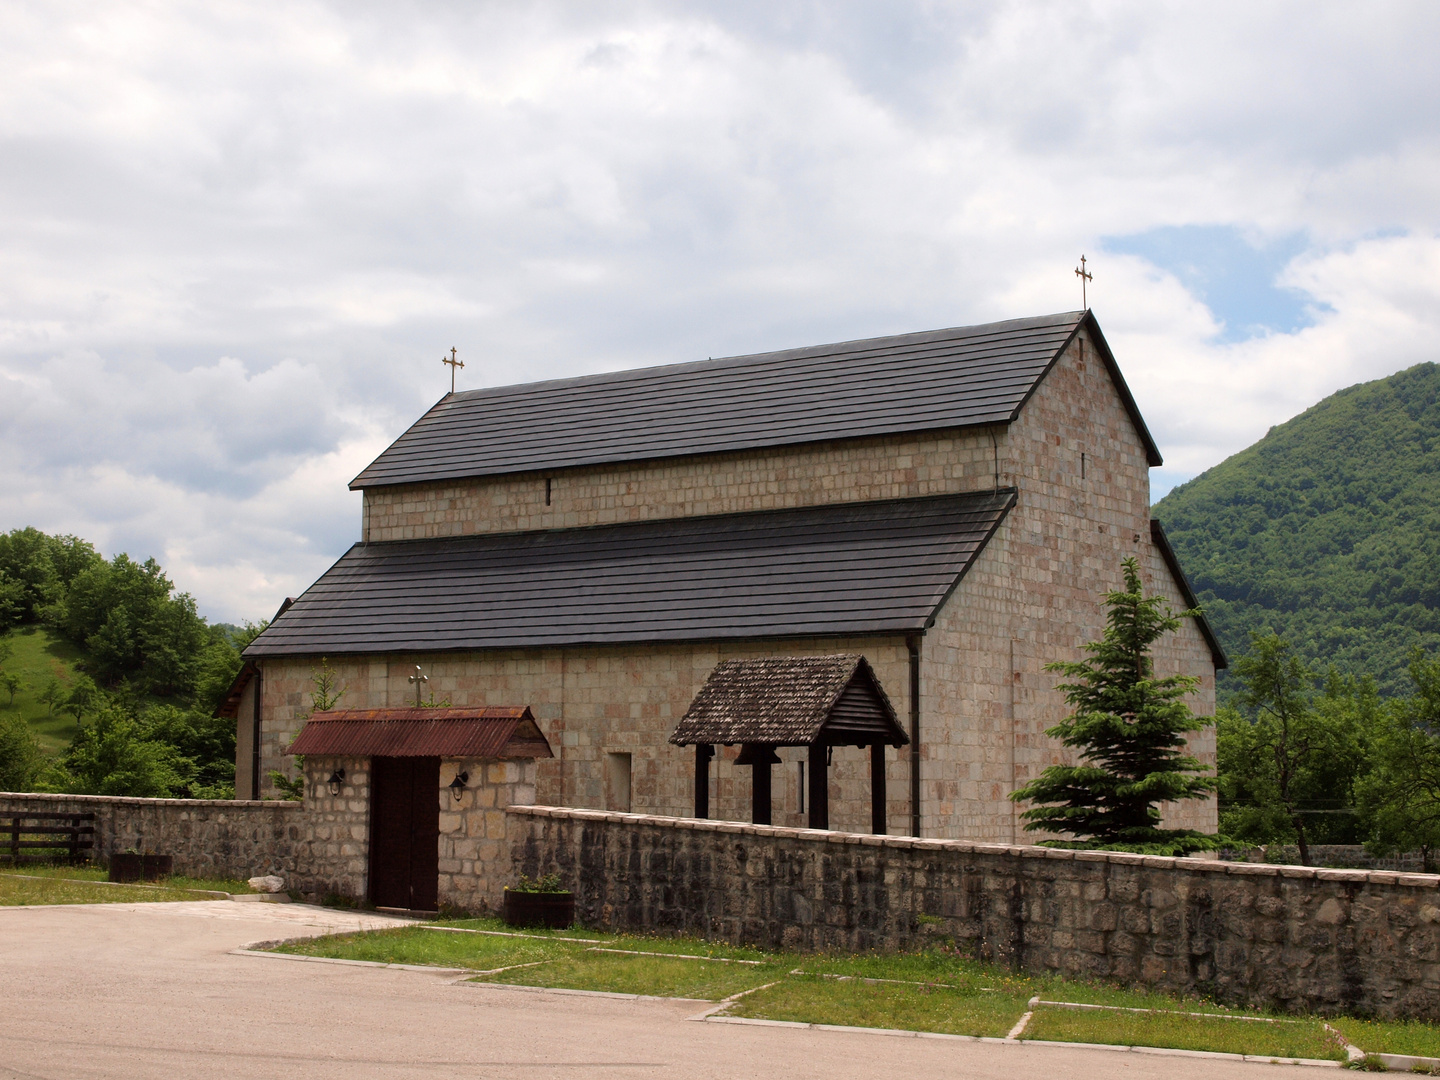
(336, 779)
(457, 786)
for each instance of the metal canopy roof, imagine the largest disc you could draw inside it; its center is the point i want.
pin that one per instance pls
(791, 701)
(938, 379)
(846, 568)
(465, 733)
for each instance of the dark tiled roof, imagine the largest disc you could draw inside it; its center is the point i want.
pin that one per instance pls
(472, 733)
(847, 568)
(791, 701)
(911, 382)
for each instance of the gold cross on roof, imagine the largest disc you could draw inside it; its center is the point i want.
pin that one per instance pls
(1084, 276)
(453, 365)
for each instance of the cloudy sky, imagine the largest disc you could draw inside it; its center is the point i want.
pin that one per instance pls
(235, 239)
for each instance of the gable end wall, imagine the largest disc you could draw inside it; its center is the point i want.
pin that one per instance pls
(1035, 595)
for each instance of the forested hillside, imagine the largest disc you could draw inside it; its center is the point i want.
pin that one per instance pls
(1326, 531)
(108, 676)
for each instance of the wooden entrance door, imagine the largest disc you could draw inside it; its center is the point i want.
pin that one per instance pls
(404, 832)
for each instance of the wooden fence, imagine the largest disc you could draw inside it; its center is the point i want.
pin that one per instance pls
(46, 837)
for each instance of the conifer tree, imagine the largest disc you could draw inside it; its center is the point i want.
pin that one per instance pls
(1129, 728)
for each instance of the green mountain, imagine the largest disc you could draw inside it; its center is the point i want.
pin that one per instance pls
(1326, 531)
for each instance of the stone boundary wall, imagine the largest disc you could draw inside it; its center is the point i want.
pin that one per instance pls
(208, 837)
(1250, 934)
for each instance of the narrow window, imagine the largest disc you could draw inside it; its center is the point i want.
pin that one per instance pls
(617, 782)
(547, 491)
(1082, 470)
(801, 789)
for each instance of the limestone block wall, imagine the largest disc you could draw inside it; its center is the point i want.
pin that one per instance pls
(207, 837)
(474, 852)
(1249, 934)
(331, 856)
(1036, 595)
(595, 702)
(854, 470)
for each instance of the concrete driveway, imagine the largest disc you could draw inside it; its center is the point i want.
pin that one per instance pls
(153, 991)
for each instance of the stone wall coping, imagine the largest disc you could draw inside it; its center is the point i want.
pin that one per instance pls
(284, 805)
(903, 843)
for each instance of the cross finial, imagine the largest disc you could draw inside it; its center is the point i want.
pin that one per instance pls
(453, 365)
(418, 678)
(1084, 276)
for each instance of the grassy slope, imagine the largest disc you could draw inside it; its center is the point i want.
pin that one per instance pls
(1327, 530)
(40, 655)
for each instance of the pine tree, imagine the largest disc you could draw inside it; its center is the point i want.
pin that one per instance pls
(1129, 728)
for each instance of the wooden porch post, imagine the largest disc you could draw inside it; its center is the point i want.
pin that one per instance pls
(760, 793)
(703, 753)
(819, 787)
(877, 788)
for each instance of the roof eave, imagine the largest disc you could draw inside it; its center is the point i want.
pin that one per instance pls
(1152, 451)
(1172, 562)
(1014, 494)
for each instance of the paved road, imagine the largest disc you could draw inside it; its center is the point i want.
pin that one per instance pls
(153, 991)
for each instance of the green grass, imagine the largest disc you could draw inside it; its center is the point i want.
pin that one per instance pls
(1391, 1036)
(1305, 1038)
(16, 890)
(39, 656)
(412, 945)
(90, 872)
(853, 1003)
(936, 990)
(659, 976)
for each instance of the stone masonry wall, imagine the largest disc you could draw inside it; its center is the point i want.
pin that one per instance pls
(207, 837)
(1280, 936)
(332, 852)
(593, 702)
(888, 467)
(474, 852)
(1036, 595)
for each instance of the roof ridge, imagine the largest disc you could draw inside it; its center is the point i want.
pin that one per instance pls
(843, 347)
(928, 380)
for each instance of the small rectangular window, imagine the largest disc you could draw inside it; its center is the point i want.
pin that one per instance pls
(547, 491)
(800, 798)
(617, 782)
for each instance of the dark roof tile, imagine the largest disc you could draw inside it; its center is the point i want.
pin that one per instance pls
(846, 568)
(878, 386)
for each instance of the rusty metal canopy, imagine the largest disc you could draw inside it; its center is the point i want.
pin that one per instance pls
(489, 732)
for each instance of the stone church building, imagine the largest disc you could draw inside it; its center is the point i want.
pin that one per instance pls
(950, 505)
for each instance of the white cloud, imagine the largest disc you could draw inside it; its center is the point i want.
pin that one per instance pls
(239, 237)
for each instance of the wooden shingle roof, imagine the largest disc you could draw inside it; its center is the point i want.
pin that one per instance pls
(791, 701)
(845, 568)
(938, 379)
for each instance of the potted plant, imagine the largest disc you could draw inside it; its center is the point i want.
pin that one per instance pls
(127, 865)
(542, 902)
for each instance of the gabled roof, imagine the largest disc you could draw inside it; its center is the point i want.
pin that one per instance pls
(1172, 563)
(961, 377)
(846, 568)
(487, 732)
(791, 701)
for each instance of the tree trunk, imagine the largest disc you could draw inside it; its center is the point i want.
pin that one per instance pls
(1300, 839)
